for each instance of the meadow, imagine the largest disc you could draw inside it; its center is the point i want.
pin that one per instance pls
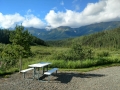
(60, 57)
(83, 53)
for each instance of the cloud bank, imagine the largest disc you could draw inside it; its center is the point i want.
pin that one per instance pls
(102, 11)
(10, 21)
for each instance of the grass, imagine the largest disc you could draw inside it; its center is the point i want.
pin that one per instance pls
(48, 54)
(91, 68)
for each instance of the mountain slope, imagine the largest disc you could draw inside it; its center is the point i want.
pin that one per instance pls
(64, 32)
(107, 39)
(5, 33)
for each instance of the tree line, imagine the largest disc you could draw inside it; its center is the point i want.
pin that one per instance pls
(106, 39)
(5, 35)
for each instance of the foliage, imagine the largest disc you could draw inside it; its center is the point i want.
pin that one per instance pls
(21, 37)
(37, 41)
(76, 52)
(60, 57)
(5, 36)
(103, 54)
(107, 39)
(81, 53)
(9, 56)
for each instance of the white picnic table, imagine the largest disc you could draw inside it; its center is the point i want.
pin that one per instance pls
(37, 66)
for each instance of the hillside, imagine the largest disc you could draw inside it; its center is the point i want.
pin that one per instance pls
(64, 32)
(4, 38)
(106, 39)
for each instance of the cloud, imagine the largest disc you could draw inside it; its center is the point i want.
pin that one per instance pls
(33, 21)
(102, 11)
(7, 21)
(60, 19)
(29, 20)
(94, 8)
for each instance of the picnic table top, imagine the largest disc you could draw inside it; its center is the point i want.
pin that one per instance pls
(42, 64)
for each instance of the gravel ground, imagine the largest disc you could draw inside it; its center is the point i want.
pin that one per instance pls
(101, 79)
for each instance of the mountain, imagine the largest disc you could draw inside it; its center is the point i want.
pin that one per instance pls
(64, 32)
(108, 39)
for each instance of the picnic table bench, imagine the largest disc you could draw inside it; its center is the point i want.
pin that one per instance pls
(50, 72)
(25, 70)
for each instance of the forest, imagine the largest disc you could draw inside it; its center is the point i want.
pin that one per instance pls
(105, 39)
(5, 33)
(19, 48)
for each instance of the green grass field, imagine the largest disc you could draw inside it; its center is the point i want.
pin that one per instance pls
(55, 55)
(101, 58)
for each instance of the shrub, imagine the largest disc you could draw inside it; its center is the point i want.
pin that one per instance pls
(103, 54)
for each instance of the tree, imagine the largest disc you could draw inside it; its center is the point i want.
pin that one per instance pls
(9, 55)
(77, 52)
(21, 37)
(21, 40)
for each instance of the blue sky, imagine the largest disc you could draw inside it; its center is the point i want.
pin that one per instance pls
(54, 13)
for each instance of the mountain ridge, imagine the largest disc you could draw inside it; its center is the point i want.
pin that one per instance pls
(64, 32)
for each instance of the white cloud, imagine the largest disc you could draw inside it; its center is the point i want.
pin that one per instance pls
(7, 21)
(60, 18)
(29, 20)
(104, 10)
(33, 21)
(94, 8)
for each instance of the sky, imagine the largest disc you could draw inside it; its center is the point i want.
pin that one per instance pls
(54, 13)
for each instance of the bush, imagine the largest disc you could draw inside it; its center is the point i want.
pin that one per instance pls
(103, 54)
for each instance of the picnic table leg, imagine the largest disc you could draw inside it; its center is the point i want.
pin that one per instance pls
(48, 78)
(47, 67)
(24, 74)
(43, 70)
(38, 73)
(34, 72)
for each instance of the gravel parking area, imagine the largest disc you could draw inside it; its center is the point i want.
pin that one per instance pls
(101, 79)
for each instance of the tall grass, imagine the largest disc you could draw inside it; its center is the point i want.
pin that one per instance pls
(59, 57)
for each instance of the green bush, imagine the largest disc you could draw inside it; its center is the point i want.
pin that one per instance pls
(103, 54)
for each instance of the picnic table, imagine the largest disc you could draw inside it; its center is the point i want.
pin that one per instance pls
(36, 70)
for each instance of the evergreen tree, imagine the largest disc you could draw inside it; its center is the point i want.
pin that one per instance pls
(21, 40)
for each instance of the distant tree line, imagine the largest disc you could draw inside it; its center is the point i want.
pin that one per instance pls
(5, 35)
(105, 39)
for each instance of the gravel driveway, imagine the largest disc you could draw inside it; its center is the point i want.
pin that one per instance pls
(101, 79)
